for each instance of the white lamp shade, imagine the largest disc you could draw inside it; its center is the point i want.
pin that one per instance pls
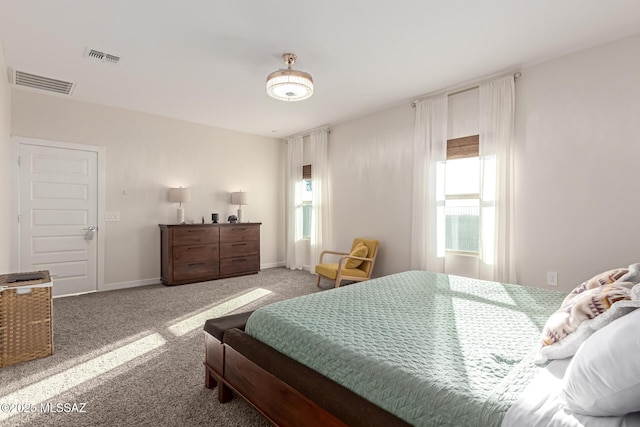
(179, 195)
(239, 198)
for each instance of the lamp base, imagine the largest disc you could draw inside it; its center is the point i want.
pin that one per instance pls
(180, 216)
(240, 215)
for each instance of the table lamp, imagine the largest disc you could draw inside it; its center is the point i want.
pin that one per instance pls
(239, 198)
(179, 195)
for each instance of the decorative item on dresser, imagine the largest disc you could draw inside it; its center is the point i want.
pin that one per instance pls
(179, 195)
(197, 253)
(239, 198)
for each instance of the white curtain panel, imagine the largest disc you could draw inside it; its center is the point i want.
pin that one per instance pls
(294, 243)
(320, 238)
(430, 155)
(497, 195)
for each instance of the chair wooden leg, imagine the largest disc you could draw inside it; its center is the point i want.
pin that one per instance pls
(338, 280)
(318, 281)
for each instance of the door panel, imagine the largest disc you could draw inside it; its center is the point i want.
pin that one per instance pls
(42, 190)
(58, 204)
(59, 217)
(47, 245)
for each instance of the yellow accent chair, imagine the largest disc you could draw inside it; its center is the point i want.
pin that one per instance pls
(356, 265)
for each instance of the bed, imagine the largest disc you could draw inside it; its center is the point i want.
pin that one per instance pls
(414, 348)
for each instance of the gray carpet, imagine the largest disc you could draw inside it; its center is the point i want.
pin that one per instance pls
(134, 357)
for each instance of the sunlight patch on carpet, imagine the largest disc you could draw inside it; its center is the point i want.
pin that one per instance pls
(197, 320)
(46, 389)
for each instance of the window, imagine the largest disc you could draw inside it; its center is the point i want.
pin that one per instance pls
(462, 195)
(307, 187)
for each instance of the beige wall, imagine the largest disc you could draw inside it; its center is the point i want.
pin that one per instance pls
(370, 168)
(5, 167)
(145, 155)
(577, 131)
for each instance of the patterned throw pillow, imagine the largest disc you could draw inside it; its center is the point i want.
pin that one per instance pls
(583, 306)
(601, 279)
(586, 309)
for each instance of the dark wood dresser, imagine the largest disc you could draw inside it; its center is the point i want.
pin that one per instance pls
(200, 252)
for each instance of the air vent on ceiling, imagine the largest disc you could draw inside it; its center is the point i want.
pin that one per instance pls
(100, 56)
(20, 78)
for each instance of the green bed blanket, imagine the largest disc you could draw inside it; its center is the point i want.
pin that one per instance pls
(433, 349)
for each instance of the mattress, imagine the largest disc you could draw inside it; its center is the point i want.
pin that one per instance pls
(433, 349)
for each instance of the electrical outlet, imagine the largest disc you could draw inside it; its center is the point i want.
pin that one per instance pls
(112, 216)
(552, 278)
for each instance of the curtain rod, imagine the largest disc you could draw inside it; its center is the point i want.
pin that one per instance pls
(516, 76)
(308, 132)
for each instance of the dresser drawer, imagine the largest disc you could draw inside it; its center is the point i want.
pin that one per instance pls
(189, 235)
(194, 253)
(245, 264)
(195, 270)
(239, 249)
(239, 233)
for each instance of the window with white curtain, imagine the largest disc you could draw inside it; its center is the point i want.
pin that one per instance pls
(440, 182)
(462, 196)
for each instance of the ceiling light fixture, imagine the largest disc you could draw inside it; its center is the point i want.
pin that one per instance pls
(289, 84)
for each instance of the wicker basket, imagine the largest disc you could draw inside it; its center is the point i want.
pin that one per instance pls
(25, 320)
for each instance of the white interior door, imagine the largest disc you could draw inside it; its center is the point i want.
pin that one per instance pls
(58, 216)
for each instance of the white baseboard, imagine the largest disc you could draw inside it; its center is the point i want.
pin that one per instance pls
(156, 280)
(271, 265)
(131, 284)
(281, 264)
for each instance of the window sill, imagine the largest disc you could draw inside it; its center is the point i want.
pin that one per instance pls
(463, 253)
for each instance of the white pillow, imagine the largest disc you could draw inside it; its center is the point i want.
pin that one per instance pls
(603, 379)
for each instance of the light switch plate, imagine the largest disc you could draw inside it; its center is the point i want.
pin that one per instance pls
(552, 278)
(112, 216)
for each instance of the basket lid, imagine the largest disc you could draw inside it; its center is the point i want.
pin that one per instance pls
(32, 278)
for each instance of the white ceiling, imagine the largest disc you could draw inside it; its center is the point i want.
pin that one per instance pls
(206, 61)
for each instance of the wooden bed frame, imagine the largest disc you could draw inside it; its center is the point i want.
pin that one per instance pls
(284, 391)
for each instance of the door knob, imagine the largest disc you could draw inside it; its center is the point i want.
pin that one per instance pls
(91, 230)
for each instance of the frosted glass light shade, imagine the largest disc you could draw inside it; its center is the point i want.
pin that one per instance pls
(289, 84)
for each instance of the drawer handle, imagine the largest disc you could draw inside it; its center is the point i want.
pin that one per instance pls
(196, 264)
(238, 229)
(195, 247)
(196, 230)
(239, 244)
